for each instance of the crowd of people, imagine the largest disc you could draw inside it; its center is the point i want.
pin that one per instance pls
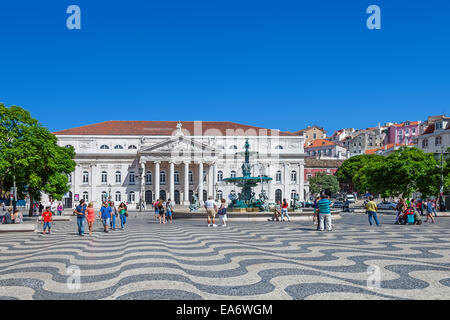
(12, 217)
(408, 212)
(107, 215)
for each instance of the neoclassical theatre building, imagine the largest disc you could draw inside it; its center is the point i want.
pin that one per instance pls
(140, 161)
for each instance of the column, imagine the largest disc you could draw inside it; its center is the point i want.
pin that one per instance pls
(186, 184)
(302, 181)
(142, 186)
(171, 181)
(286, 191)
(200, 182)
(214, 179)
(156, 178)
(210, 180)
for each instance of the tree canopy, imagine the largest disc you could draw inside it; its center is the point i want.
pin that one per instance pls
(403, 172)
(30, 153)
(323, 182)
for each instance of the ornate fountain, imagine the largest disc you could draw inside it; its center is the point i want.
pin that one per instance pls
(246, 200)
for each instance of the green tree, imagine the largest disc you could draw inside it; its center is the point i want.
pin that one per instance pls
(14, 152)
(349, 171)
(409, 170)
(33, 156)
(323, 182)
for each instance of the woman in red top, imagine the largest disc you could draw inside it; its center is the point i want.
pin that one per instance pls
(284, 210)
(90, 216)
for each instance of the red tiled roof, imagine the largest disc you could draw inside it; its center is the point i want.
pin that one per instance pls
(386, 147)
(371, 151)
(429, 129)
(319, 143)
(166, 128)
(413, 123)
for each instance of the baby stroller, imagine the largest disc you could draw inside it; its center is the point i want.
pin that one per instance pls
(406, 217)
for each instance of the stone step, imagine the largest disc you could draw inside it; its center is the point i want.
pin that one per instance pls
(17, 227)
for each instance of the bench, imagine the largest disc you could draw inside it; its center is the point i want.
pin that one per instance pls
(17, 227)
(58, 218)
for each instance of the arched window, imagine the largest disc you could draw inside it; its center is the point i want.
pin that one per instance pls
(132, 177)
(104, 196)
(104, 177)
(219, 176)
(204, 177)
(148, 177)
(86, 196)
(279, 147)
(220, 147)
(294, 176)
(176, 177)
(148, 197)
(118, 177)
(191, 179)
(233, 147)
(278, 176)
(118, 146)
(177, 197)
(85, 177)
(233, 174)
(132, 147)
(131, 197)
(68, 146)
(104, 147)
(278, 195)
(162, 177)
(219, 195)
(118, 196)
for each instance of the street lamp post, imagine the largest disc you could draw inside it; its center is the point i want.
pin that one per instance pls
(109, 192)
(216, 187)
(441, 190)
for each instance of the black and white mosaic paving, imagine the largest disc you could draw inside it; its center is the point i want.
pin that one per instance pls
(246, 260)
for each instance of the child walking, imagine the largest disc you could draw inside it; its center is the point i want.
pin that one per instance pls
(47, 219)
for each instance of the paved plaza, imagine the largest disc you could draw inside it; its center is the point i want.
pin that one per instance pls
(259, 260)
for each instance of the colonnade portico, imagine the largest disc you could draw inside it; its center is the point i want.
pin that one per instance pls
(185, 184)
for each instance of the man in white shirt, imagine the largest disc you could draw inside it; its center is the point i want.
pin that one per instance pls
(211, 209)
(53, 207)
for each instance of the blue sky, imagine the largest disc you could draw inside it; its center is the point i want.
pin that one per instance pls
(276, 64)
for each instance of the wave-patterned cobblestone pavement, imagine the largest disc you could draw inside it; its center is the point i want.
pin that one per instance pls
(259, 260)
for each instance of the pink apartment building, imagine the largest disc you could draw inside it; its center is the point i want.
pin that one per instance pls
(403, 133)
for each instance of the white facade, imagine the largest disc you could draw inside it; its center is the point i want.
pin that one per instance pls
(127, 168)
(436, 138)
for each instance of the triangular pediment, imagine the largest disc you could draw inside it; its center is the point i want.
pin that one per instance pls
(179, 143)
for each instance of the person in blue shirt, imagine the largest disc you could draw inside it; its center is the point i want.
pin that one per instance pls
(105, 215)
(80, 212)
(324, 205)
